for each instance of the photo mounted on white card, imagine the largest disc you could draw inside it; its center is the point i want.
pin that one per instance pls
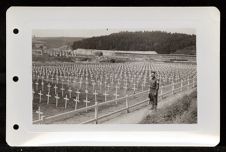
(133, 72)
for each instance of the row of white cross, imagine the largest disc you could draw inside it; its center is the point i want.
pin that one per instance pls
(66, 99)
(99, 84)
(111, 71)
(49, 77)
(86, 101)
(76, 100)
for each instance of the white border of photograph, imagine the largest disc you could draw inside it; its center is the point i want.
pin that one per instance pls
(206, 22)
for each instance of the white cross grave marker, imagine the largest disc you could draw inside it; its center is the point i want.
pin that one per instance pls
(134, 88)
(33, 92)
(100, 85)
(36, 83)
(55, 88)
(48, 96)
(76, 102)
(93, 85)
(42, 85)
(39, 113)
(69, 90)
(86, 83)
(68, 81)
(125, 87)
(142, 86)
(105, 84)
(80, 83)
(108, 86)
(65, 99)
(105, 96)
(62, 91)
(57, 98)
(57, 79)
(74, 81)
(52, 79)
(48, 87)
(40, 96)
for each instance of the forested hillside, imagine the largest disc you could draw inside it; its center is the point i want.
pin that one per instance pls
(161, 42)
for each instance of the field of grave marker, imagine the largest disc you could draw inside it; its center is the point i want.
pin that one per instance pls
(88, 92)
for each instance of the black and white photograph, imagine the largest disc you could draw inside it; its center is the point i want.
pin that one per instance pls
(114, 76)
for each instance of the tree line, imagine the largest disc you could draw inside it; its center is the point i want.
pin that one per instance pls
(161, 42)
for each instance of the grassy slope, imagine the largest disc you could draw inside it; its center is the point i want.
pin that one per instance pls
(183, 111)
(187, 50)
(46, 58)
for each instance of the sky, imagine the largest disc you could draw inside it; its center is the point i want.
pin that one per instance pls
(100, 32)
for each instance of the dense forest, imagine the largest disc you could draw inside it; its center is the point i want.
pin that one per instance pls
(161, 42)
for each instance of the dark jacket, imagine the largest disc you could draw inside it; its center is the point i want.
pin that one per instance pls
(154, 86)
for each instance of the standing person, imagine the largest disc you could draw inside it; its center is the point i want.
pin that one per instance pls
(153, 94)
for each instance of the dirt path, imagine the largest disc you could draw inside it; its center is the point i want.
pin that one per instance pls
(136, 116)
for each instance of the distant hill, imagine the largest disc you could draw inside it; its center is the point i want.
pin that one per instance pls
(55, 42)
(161, 42)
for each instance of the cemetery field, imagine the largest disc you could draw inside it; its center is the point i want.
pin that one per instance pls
(79, 92)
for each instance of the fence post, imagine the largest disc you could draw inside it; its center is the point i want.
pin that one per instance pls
(181, 85)
(127, 104)
(189, 82)
(96, 112)
(42, 119)
(193, 82)
(173, 88)
(161, 93)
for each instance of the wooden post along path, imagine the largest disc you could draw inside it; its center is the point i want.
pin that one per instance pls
(86, 100)
(96, 112)
(116, 93)
(127, 104)
(77, 92)
(173, 87)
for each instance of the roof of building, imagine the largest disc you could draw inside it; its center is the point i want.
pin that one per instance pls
(38, 42)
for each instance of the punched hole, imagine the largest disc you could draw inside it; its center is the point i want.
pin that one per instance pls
(15, 78)
(15, 126)
(15, 31)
